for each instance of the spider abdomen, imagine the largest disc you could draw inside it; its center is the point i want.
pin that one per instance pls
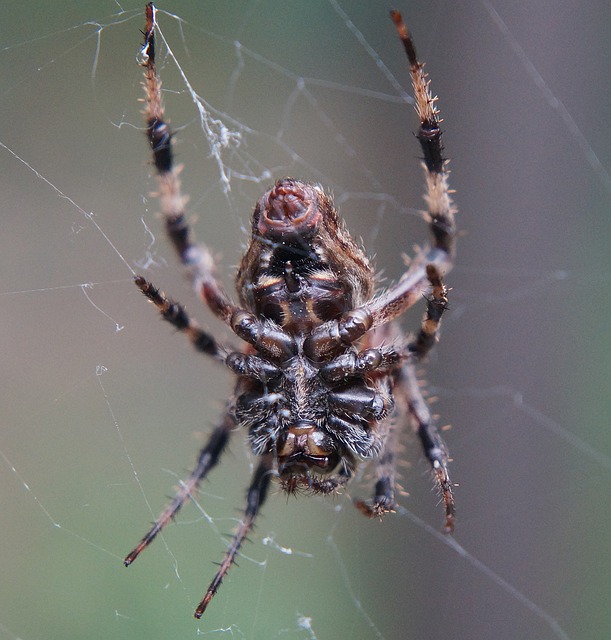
(302, 268)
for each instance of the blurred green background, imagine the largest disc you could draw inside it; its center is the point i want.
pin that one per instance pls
(103, 408)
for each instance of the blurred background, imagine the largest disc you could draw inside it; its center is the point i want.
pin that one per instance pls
(104, 408)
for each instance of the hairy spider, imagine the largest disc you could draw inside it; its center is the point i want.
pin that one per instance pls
(325, 379)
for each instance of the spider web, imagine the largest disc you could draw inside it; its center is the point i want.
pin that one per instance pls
(103, 409)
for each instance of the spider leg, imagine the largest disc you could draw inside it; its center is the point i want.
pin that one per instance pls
(440, 208)
(176, 315)
(436, 305)
(197, 259)
(357, 363)
(207, 459)
(428, 267)
(257, 492)
(383, 499)
(380, 359)
(432, 443)
(410, 402)
(326, 340)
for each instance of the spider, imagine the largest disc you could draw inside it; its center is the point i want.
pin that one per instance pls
(324, 377)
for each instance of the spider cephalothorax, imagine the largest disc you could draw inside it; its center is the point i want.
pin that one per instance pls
(325, 378)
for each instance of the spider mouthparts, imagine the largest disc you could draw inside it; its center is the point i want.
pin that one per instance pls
(305, 447)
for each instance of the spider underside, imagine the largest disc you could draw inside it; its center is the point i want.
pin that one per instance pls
(325, 379)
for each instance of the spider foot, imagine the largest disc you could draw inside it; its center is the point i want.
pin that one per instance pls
(376, 509)
(445, 486)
